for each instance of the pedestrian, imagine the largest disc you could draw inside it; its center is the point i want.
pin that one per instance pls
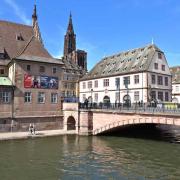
(31, 129)
(34, 130)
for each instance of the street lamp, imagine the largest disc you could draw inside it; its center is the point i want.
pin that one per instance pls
(127, 95)
(91, 97)
(118, 88)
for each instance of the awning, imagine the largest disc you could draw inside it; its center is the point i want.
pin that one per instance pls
(5, 81)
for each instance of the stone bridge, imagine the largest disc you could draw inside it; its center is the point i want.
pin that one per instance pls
(97, 121)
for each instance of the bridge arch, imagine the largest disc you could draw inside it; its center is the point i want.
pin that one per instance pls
(121, 123)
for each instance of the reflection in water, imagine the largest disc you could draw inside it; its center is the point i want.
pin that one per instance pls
(73, 157)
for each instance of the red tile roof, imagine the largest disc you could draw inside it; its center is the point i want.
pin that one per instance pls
(28, 46)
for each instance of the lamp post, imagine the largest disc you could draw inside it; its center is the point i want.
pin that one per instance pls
(118, 88)
(126, 86)
(91, 97)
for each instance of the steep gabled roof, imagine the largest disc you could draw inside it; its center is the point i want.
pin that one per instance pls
(27, 45)
(135, 60)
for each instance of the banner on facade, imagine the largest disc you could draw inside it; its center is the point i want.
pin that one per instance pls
(44, 82)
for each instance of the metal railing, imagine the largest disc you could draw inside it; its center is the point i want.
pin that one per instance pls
(133, 108)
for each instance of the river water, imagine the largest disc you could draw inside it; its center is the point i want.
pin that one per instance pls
(102, 157)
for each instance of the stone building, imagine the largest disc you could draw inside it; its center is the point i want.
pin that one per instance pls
(138, 75)
(30, 79)
(175, 71)
(75, 65)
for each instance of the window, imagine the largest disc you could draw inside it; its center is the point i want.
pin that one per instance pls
(5, 97)
(28, 67)
(160, 80)
(27, 97)
(126, 80)
(117, 97)
(84, 97)
(117, 83)
(163, 67)
(106, 82)
(166, 96)
(42, 69)
(84, 85)
(166, 81)
(159, 55)
(54, 98)
(2, 55)
(96, 97)
(155, 65)
(136, 79)
(89, 84)
(19, 37)
(136, 96)
(177, 89)
(2, 71)
(153, 95)
(72, 85)
(63, 93)
(153, 79)
(160, 96)
(96, 83)
(54, 70)
(41, 97)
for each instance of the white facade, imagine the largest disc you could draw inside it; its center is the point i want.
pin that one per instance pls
(176, 93)
(144, 86)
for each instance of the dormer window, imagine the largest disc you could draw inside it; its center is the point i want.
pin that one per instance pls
(133, 51)
(159, 55)
(19, 37)
(2, 55)
(2, 71)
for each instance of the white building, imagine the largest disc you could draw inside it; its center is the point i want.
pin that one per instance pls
(138, 75)
(175, 84)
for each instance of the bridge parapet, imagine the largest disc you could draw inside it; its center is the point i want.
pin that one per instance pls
(70, 106)
(133, 109)
(104, 120)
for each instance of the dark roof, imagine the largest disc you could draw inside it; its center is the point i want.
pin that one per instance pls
(28, 45)
(39, 59)
(134, 60)
(69, 65)
(175, 71)
(4, 62)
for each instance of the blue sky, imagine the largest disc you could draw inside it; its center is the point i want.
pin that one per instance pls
(103, 27)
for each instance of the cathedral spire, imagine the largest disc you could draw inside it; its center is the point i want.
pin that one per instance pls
(37, 33)
(70, 25)
(69, 39)
(34, 16)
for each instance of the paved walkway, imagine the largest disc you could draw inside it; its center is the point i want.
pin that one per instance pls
(26, 135)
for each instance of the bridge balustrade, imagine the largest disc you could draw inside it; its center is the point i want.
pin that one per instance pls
(134, 108)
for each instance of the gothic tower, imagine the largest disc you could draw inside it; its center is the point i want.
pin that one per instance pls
(37, 33)
(69, 39)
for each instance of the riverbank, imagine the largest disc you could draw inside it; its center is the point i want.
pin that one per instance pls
(26, 135)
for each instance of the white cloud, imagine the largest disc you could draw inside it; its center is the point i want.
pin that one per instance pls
(58, 55)
(18, 11)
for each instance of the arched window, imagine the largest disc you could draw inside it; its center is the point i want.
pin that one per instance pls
(71, 123)
(127, 100)
(106, 100)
